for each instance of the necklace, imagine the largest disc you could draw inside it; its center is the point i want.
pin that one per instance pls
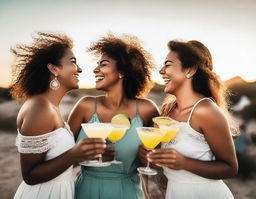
(185, 108)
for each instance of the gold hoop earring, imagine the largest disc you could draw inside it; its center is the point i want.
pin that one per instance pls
(55, 84)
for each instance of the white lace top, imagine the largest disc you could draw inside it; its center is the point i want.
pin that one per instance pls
(45, 142)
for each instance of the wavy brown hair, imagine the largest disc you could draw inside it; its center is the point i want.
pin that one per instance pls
(30, 73)
(206, 82)
(133, 61)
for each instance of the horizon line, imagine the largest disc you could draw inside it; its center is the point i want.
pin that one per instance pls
(155, 82)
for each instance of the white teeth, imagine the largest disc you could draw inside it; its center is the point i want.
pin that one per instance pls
(166, 80)
(98, 78)
(76, 76)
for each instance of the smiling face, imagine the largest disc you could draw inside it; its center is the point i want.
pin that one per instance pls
(106, 73)
(173, 73)
(69, 71)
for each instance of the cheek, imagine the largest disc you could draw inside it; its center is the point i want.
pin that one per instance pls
(70, 70)
(169, 72)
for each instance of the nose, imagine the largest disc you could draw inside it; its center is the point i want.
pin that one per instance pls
(162, 70)
(96, 70)
(79, 70)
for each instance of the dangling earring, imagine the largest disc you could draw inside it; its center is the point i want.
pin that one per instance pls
(54, 84)
(120, 76)
(188, 76)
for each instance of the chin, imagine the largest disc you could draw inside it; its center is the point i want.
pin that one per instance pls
(166, 90)
(98, 87)
(75, 87)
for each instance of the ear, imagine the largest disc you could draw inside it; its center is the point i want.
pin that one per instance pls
(53, 69)
(120, 76)
(191, 71)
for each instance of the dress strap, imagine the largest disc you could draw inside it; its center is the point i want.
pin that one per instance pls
(137, 107)
(190, 115)
(95, 105)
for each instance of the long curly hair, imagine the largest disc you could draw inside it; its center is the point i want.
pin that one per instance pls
(30, 75)
(206, 82)
(133, 61)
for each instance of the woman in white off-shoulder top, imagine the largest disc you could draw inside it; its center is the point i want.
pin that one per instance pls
(44, 72)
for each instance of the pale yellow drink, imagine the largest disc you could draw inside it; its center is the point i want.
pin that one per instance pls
(97, 130)
(168, 126)
(117, 133)
(169, 132)
(150, 139)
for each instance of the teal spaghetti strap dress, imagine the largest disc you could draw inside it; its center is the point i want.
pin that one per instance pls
(117, 181)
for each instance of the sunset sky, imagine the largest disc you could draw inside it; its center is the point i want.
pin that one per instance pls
(226, 27)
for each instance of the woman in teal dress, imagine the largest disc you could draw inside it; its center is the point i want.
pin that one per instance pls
(123, 73)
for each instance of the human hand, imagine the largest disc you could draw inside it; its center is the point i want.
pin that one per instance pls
(108, 154)
(168, 158)
(143, 154)
(87, 149)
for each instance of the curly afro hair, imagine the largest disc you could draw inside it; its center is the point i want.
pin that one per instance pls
(30, 73)
(133, 61)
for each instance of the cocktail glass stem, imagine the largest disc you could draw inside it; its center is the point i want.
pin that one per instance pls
(114, 145)
(147, 167)
(114, 161)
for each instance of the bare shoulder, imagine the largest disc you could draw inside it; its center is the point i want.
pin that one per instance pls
(83, 109)
(147, 110)
(147, 105)
(36, 117)
(208, 109)
(209, 114)
(85, 103)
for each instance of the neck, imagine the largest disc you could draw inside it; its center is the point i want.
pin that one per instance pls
(186, 97)
(55, 96)
(115, 99)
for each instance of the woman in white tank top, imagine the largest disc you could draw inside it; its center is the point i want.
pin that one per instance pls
(202, 153)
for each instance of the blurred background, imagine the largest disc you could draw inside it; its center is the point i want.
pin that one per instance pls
(226, 27)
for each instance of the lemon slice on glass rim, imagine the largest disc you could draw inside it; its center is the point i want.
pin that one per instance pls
(121, 119)
(162, 120)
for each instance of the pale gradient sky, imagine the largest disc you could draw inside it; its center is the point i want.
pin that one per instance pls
(226, 27)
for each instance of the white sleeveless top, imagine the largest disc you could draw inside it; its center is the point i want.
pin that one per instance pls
(54, 143)
(183, 184)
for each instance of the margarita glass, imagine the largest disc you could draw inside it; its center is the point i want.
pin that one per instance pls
(117, 133)
(96, 130)
(150, 137)
(168, 126)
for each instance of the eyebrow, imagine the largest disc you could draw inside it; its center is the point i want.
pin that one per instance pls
(168, 61)
(103, 61)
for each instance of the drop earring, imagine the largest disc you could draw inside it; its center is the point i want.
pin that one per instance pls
(120, 76)
(54, 84)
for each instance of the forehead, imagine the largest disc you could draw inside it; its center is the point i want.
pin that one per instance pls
(172, 55)
(69, 53)
(104, 56)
